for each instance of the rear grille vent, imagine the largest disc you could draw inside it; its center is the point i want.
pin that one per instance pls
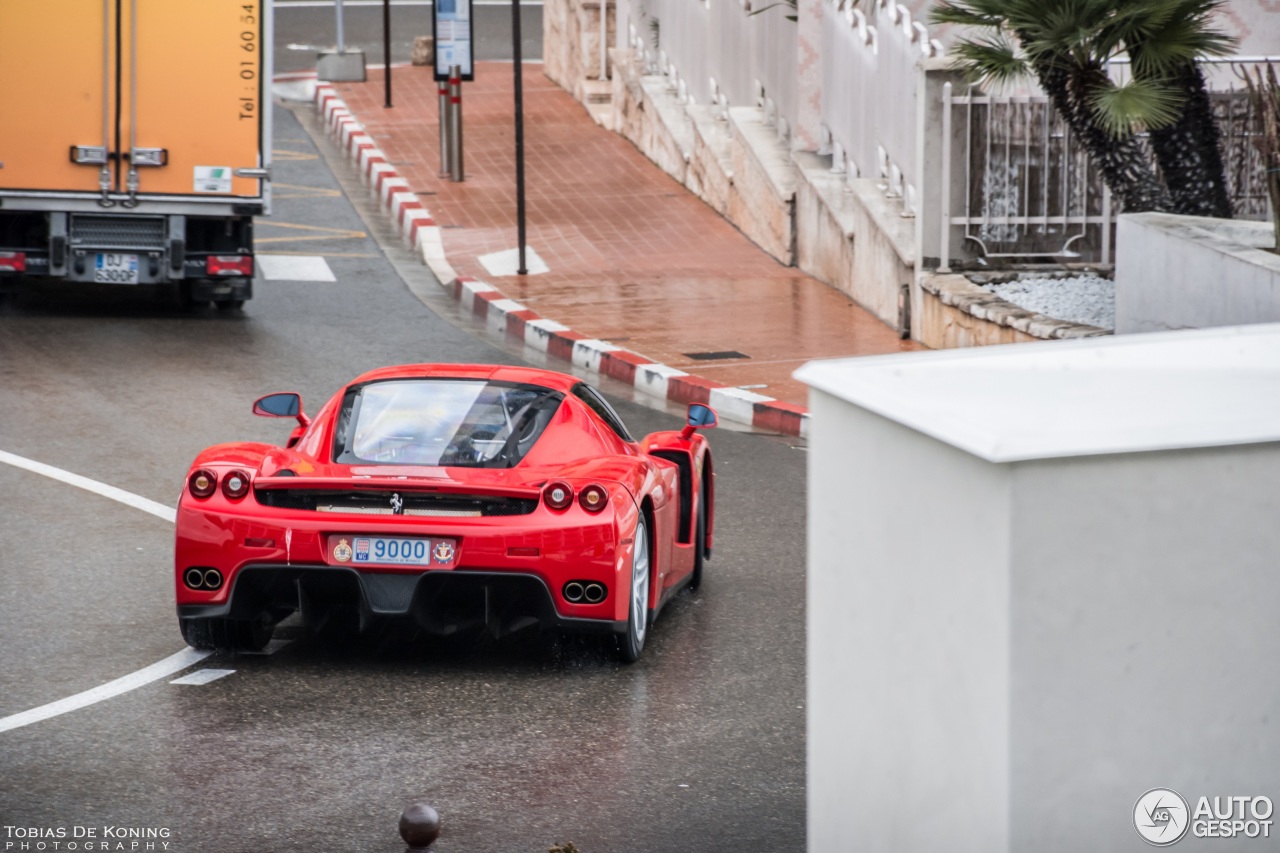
(380, 503)
(118, 232)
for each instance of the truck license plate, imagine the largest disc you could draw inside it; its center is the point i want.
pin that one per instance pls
(116, 269)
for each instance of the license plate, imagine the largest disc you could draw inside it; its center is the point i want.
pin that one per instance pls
(116, 269)
(391, 551)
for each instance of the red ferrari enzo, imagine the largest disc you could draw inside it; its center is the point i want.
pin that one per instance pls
(463, 496)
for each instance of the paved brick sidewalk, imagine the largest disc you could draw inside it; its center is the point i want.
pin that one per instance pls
(634, 258)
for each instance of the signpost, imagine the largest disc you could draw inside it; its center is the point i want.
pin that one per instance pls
(455, 41)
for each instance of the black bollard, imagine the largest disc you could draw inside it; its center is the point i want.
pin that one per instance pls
(419, 827)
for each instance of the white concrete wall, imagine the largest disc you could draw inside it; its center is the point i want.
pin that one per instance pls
(1185, 272)
(908, 648)
(1144, 638)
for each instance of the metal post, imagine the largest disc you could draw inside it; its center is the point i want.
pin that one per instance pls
(517, 64)
(604, 39)
(342, 41)
(386, 49)
(944, 255)
(442, 89)
(455, 123)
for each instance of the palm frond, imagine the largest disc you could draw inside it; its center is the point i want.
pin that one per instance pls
(967, 13)
(993, 59)
(1139, 104)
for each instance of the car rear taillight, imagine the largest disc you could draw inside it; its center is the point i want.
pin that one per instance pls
(558, 495)
(13, 261)
(235, 485)
(593, 498)
(202, 483)
(229, 265)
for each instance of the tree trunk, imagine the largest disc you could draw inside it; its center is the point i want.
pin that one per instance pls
(1124, 165)
(1189, 151)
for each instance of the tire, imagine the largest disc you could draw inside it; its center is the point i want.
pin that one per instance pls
(699, 540)
(229, 306)
(631, 644)
(227, 635)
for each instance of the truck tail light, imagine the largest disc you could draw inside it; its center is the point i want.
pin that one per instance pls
(13, 261)
(229, 265)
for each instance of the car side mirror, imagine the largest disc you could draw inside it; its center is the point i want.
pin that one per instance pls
(700, 417)
(285, 405)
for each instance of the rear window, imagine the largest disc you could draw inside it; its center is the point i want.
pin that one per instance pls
(442, 422)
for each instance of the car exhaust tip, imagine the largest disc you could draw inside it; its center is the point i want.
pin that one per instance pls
(573, 591)
(593, 593)
(202, 578)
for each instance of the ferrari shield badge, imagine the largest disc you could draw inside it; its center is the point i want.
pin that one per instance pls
(443, 552)
(342, 551)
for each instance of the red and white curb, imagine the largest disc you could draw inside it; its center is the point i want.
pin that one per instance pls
(517, 322)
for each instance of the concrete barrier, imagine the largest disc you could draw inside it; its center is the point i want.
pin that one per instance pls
(1041, 582)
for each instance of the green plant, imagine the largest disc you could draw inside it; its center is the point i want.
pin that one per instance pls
(1264, 96)
(1068, 44)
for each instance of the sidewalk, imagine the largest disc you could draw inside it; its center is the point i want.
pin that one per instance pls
(634, 259)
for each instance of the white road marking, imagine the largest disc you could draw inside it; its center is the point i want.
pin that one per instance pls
(174, 663)
(132, 681)
(127, 498)
(203, 676)
(507, 262)
(295, 268)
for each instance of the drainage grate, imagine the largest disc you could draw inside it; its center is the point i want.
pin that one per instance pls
(715, 356)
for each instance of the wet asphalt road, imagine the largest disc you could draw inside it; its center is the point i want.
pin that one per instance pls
(520, 744)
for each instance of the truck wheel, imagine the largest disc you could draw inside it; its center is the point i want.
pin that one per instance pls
(228, 306)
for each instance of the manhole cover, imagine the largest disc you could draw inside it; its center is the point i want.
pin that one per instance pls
(715, 356)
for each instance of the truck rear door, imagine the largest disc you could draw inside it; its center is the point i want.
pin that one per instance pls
(138, 97)
(59, 64)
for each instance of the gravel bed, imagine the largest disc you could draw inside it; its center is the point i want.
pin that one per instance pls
(1084, 299)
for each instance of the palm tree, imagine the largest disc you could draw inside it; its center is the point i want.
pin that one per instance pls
(1067, 45)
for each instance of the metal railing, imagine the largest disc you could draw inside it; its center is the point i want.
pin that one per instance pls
(717, 52)
(869, 91)
(1028, 190)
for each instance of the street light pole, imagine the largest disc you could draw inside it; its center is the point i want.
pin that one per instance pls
(517, 63)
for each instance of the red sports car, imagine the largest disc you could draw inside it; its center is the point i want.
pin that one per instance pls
(459, 495)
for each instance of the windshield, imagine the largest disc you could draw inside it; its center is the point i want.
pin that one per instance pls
(442, 422)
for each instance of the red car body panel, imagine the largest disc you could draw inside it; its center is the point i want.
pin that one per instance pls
(577, 447)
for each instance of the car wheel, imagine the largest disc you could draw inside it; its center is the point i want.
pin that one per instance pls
(631, 644)
(700, 540)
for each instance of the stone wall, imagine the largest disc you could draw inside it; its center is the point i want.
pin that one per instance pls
(951, 311)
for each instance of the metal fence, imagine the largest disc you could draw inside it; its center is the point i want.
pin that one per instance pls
(1028, 190)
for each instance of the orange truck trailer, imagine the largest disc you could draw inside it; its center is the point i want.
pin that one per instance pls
(135, 143)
